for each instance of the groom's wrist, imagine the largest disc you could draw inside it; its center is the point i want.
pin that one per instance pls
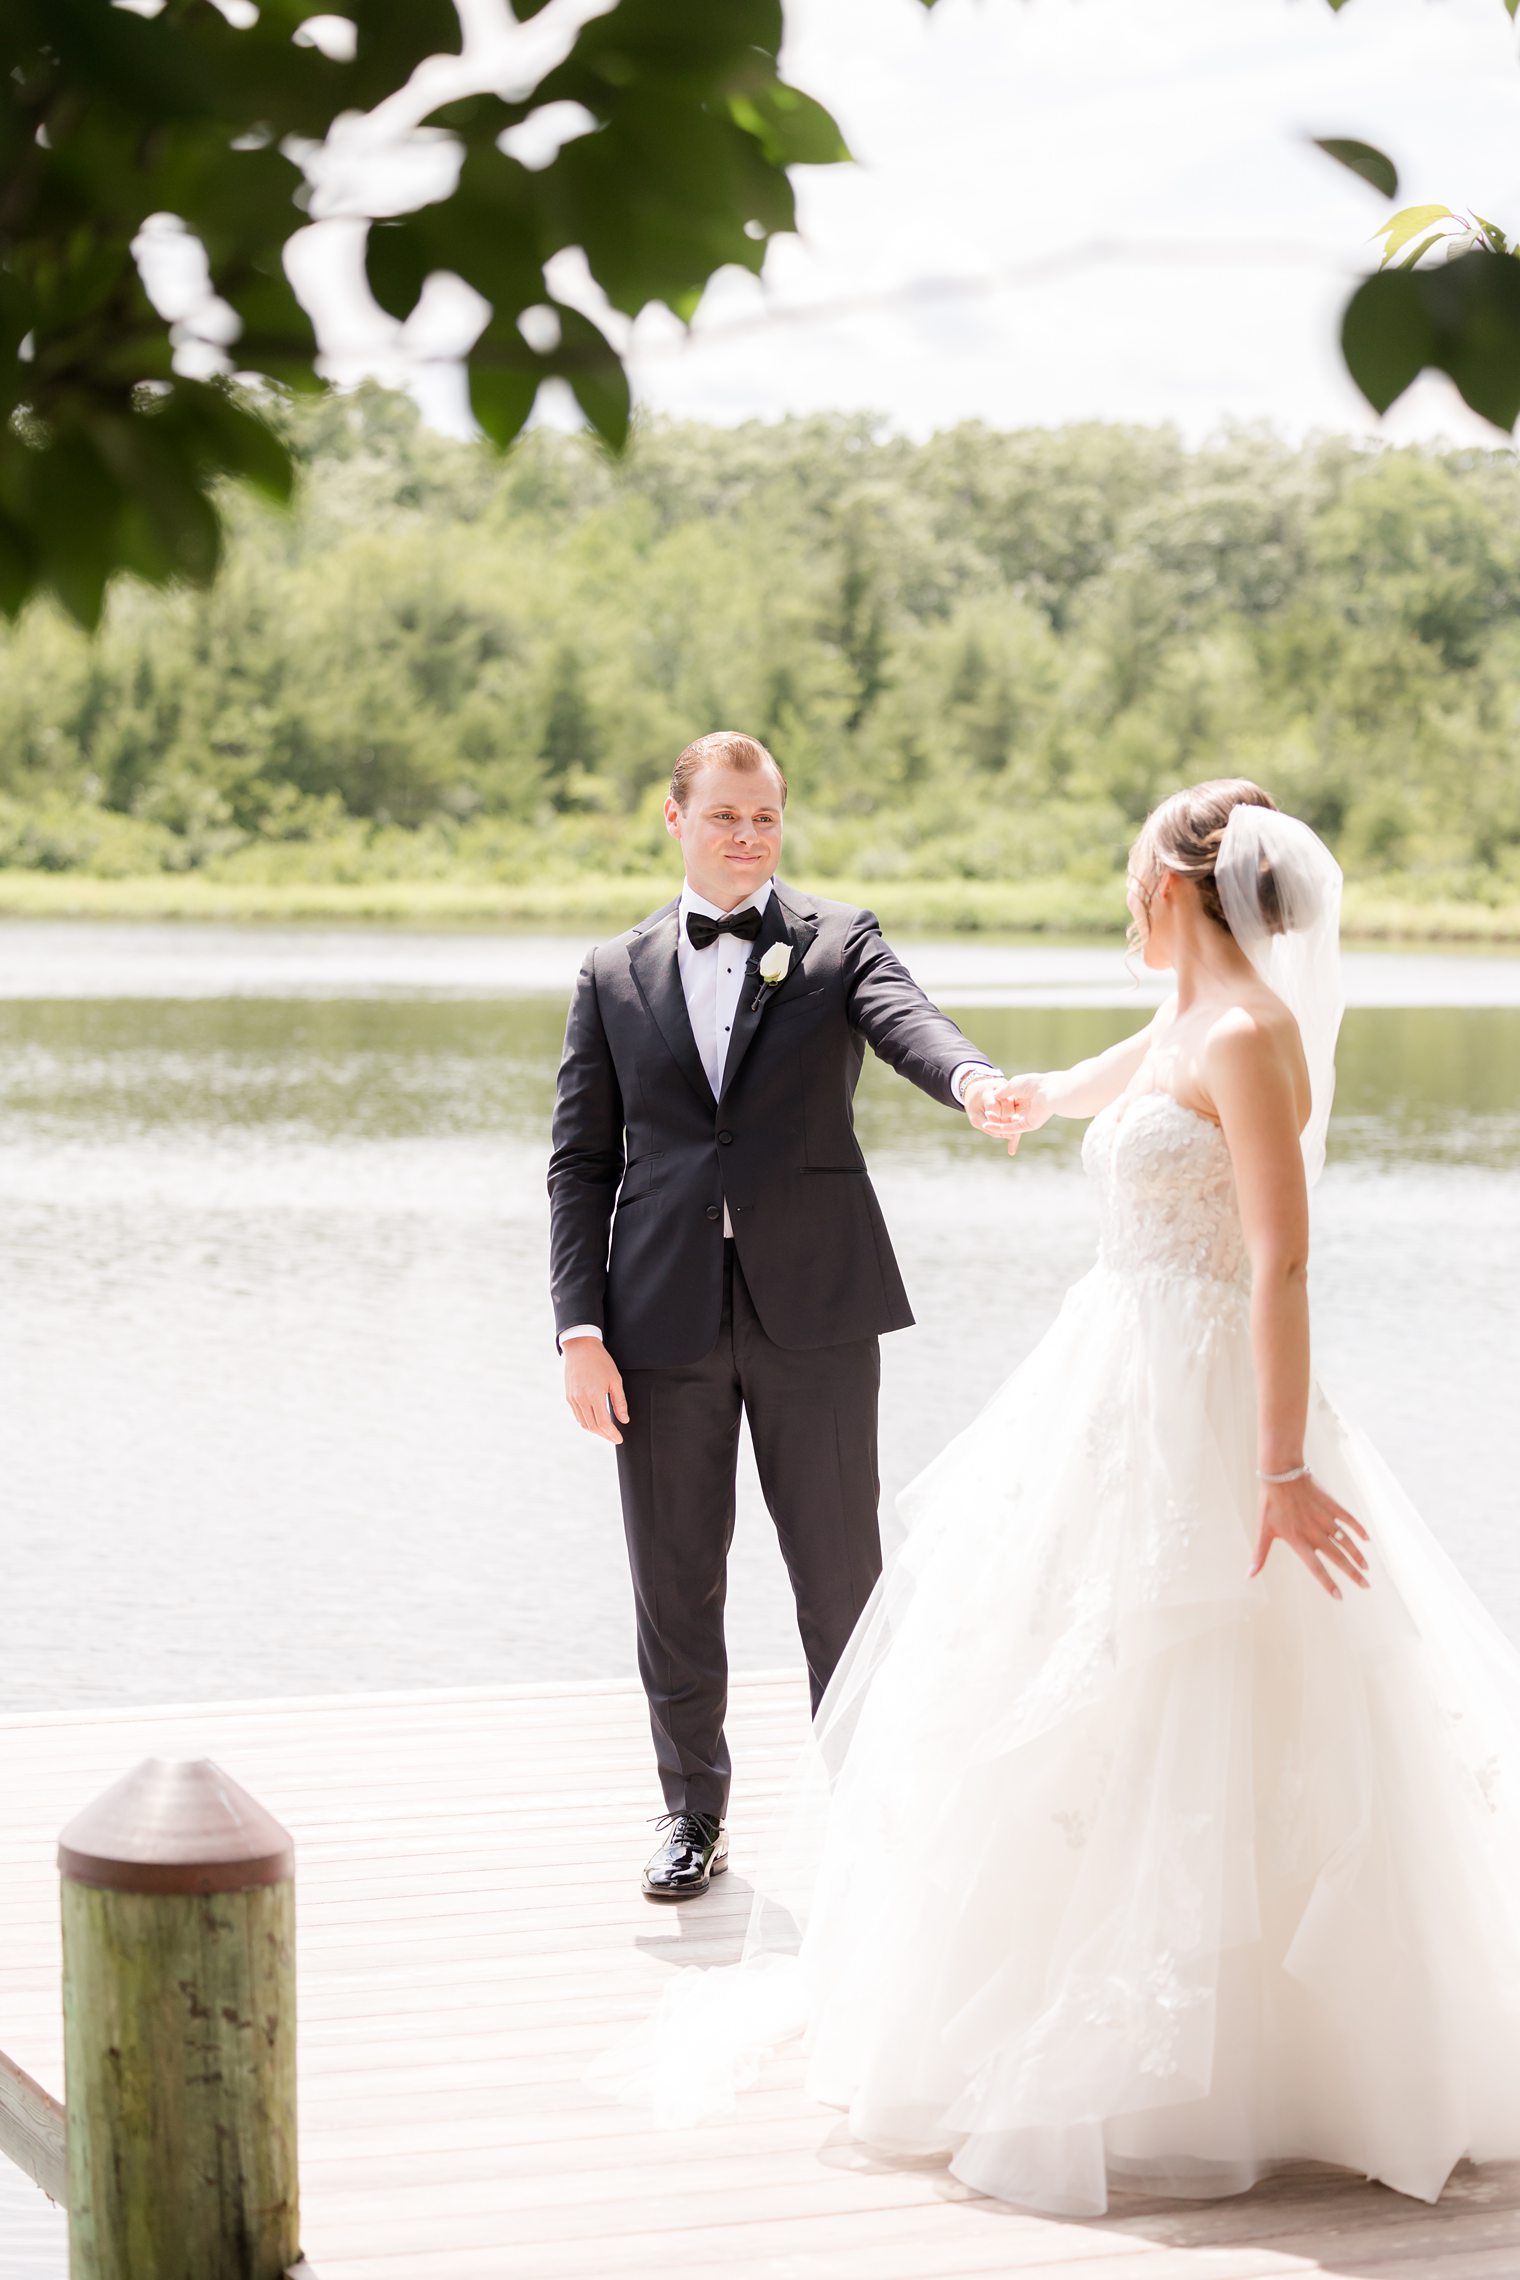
(579, 1330)
(967, 1073)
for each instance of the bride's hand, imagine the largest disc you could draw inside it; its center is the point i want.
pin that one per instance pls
(1299, 1513)
(1023, 1105)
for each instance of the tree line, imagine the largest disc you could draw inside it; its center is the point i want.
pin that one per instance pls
(978, 657)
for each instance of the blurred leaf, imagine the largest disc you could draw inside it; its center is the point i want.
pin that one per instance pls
(685, 49)
(237, 442)
(1463, 319)
(276, 337)
(189, 64)
(160, 458)
(595, 374)
(394, 37)
(15, 568)
(493, 232)
(228, 198)
(502, 400)
(1363, 160)
(666, 194)
(397, 261)
(1417, 253)
(1407, 223)
(791, 129)
(1476, 304)
(75, 501)
(1386, 336)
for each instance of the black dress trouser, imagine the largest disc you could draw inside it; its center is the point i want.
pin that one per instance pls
(812, 1421)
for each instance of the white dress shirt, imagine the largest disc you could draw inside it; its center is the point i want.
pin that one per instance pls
(712, 982)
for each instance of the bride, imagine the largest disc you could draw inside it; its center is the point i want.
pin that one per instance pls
(1160, 1823)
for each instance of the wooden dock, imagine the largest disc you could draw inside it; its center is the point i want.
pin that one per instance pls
(471, 1931)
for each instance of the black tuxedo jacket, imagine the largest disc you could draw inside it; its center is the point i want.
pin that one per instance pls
(644, 1156)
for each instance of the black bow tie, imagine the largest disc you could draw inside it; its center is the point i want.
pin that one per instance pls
(702, 932)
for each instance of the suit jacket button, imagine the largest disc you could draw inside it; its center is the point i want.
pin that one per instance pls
(725, 1139)
(713, 1212)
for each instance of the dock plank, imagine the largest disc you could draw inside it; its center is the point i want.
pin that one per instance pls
(471, 1932)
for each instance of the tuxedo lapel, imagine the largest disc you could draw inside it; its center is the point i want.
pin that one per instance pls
(657, 972)
(786, 920)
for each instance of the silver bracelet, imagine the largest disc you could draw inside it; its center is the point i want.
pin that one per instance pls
(977, 1073)
(1276, 1480)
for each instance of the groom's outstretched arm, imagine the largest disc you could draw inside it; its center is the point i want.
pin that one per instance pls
(898, 1022)
(586, 1165)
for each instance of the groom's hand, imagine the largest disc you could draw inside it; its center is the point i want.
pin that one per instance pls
(980, 1099)
(594, 1388)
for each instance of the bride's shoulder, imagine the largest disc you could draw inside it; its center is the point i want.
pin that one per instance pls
(1254, 1038)
(1250, 1014)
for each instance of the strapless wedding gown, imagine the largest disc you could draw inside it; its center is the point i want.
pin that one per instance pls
(1104, 1865)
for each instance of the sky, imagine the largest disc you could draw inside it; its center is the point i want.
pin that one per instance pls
(1009, 142)
(1060, 210)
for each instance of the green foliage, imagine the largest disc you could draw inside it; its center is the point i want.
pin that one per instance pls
(1410, 223)
(1468, 327)
(980, 660)
(1412, 233)
(111, 454)
(1363, 160)
(1462, 319)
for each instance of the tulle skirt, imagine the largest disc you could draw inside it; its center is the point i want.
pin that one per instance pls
(1104, 1865)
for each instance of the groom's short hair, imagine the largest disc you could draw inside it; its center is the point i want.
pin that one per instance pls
(724, 748)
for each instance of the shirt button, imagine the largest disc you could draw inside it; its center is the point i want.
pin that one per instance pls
(713, 1212)
(725, 1139)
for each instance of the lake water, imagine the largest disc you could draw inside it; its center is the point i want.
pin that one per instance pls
(281, 1410)
(281, 1405)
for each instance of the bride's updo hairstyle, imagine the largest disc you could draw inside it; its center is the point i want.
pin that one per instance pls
(1183, 836)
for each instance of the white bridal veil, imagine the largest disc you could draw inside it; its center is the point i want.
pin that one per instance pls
(1280, 888)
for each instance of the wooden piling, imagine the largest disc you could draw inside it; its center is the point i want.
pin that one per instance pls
(179, 2031)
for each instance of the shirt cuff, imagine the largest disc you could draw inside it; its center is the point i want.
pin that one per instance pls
(579, 1330)
(959, 1074)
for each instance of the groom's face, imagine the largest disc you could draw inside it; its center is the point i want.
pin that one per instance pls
(729, 831)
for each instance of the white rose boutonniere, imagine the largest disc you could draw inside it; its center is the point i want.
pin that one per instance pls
(773, 968)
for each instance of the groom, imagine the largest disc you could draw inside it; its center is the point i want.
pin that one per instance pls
(716, 1247)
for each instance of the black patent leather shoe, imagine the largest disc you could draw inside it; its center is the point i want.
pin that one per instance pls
(694, 1852)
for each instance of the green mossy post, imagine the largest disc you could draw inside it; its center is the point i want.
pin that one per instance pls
(179, 2031)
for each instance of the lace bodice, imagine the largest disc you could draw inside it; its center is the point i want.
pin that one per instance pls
(1166, 1191)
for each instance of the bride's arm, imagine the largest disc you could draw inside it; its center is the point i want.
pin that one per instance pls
(1250, 1079)
(1082, 1089)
